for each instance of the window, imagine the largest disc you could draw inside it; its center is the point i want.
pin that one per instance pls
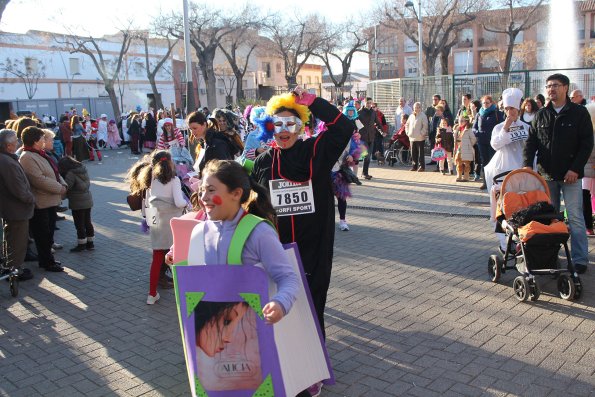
(519, 37)
(466, 37)
(31, 65)
(278, 67)
(410, 46)
(463, 62)
(317, 80)
(489, 37)
(410, 66)
(244, 83)
(308, 80)
(74, 65)
(266, 67)
(581, 26)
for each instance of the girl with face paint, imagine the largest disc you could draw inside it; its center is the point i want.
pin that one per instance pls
(227, 194)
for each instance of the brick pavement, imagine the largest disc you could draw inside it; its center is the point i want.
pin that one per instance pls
(410, 309)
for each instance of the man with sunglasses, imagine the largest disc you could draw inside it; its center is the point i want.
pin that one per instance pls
(561, 135)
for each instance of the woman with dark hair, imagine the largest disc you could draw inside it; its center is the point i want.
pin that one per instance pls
(164, 200)
(48, 188)
(447, 112)
(215, 323)
(134, 132)
(150, 126)
(170, 136)
(80, 151)
(211, 144)
(539, 101)
(528, 110)
(226, 122)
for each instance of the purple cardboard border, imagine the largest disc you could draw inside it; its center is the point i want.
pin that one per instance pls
(239, 279)
(294, 246)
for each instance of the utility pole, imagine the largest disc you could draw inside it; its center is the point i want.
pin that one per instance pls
(190, 106)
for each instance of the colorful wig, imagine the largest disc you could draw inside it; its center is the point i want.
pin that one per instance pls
(265, 127)
(287, 101)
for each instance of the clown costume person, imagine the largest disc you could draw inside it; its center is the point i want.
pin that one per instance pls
(508, 139)
(310, 162)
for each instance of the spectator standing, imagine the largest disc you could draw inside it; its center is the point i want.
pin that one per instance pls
(464, 152)
(540, 101)
(367, 116)
(403, 108)
(562, 138)
(417, 131)
(16, 205)
(484, 123)
(528, 110)
(447, 111)
(431, 110)
(465, 105)
(577, 97)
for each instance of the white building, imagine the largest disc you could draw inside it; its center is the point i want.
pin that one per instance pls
(53, 73)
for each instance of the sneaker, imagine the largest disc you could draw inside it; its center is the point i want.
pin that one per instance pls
(152, 299)
(57, 246)
(343, 226)
(315, 389)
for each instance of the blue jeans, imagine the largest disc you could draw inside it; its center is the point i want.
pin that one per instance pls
(573, 201)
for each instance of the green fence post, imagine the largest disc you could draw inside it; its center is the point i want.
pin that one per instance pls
(453, 94)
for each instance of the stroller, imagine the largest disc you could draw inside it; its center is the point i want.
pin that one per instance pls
(535, 232)
(11, 275)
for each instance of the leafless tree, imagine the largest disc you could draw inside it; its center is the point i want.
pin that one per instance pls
(3, 4)
(208, 27)
(226, 75)
(108, 66)
(154, 65)
(344, 41)
(295, 40)
(441, 23)
(28, 71)
(514, 17)
(237, 48)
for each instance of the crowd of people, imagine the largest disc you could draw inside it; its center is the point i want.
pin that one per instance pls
(231, 163)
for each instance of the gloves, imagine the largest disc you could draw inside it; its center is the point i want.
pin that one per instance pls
(303, 97)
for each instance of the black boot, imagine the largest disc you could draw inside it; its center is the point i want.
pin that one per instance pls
(90, 246)
(79, 248)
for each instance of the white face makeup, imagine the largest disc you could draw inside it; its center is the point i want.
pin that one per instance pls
(289, 124)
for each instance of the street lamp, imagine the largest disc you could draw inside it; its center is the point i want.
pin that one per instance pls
(409, 4)
(70, 83)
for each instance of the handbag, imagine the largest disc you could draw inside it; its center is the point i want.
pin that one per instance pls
(349, 175)
(438, 153)
(135, 201)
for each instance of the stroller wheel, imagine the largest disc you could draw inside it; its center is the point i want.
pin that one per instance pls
(494, 268)
(14, 286)
(521, 288)
(578, 288)
(566, 288)
(534, 291)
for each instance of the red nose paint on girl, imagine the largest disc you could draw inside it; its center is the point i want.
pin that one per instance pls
(217, 200)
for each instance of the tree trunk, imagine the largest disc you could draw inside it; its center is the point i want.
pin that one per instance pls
(158, 102)
(430, 65)
(239, 88)
(211, 87)
(508, 60)
(444, 61)
(114, 100)
(291, 80)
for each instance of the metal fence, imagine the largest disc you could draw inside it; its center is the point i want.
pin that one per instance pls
(451, 87)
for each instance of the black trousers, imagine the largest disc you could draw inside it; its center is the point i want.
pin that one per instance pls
(82, 223)
(417, 154)
(53, 217)
(587, 210)
(367, 158)
(40, 229)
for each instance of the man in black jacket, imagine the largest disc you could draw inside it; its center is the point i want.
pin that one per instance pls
(367, 116)
(562, 136)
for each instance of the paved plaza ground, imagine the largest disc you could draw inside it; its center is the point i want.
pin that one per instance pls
(410, 313)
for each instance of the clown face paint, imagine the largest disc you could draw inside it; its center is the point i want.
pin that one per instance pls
(287, 129)
(218, 202)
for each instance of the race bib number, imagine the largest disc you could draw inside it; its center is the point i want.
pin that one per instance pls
(151, 216)
(518, 133)
(291, 198)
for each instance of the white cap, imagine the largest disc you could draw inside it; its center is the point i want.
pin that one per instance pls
(103, 116)
(511, 97)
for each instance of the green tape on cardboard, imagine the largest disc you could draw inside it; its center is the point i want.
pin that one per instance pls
(254, 301)
(192, 299)
(200, 391)
(265, 389)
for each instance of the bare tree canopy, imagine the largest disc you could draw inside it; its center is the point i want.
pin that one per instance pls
(153, 67)
(344, 41)
(514, 17)
(3, 4)
(28, 71)
(295, 40)
(441, 22)
(208, 27)
(108, 66)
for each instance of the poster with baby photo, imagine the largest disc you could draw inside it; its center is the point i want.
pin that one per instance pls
(228, 347)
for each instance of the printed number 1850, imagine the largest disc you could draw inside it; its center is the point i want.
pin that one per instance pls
(292, 198)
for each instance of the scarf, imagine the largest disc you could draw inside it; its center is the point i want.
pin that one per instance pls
(484, 111)
(43, 154)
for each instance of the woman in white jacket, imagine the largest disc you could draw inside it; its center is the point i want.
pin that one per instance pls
(417, 131)
(508, 139)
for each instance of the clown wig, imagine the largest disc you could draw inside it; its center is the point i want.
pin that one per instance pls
(286, 102)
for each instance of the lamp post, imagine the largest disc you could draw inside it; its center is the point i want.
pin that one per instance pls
(409, 4)
(190, 106)
(70, 83)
